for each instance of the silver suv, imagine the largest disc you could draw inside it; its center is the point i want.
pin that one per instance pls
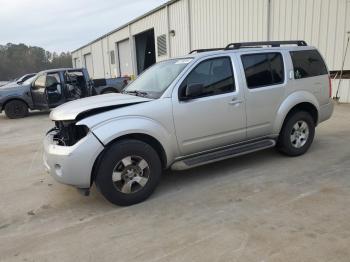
(210, 105)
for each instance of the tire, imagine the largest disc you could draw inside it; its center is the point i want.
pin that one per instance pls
(16, 109)
(123, 160)
(295, 138)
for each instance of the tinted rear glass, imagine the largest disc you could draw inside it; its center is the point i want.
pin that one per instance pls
(263, 69)
(308, 63)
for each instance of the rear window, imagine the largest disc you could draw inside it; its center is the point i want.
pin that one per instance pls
(308, 63)
(263, 69)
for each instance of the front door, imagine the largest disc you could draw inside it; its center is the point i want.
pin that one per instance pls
(39, 94)
(216, 117)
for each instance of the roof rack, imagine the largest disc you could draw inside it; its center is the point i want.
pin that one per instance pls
(205, 50)
(252, 45)
(262, 43)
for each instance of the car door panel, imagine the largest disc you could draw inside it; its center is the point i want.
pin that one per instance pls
(262, 101)
(39, 94)
(208, 122)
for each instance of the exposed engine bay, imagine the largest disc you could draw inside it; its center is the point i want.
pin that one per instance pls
(68, 133)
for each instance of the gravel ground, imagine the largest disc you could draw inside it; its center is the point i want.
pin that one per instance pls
(259, 207)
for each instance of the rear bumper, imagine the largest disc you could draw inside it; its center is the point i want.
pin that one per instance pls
(326, 111)
(72, 165)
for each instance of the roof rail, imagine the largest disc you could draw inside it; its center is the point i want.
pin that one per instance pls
(262, 43)
(205, 50)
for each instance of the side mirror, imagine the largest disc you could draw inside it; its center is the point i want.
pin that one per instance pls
(194, 90)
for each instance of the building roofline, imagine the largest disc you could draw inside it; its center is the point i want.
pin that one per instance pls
(128, 23)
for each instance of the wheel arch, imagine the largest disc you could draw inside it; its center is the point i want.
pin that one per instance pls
(109, 88)
(148, 139)
(13, 99)
(298, 101)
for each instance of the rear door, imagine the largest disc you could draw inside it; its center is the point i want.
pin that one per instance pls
(215, 118)
(54, 89)
(265, 83)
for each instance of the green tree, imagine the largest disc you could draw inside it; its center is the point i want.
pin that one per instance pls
(19, 59)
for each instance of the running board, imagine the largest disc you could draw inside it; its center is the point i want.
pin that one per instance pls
(222, 154)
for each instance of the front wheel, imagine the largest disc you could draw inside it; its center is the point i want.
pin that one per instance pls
(297, 134)
(16, 109)
(128, 172)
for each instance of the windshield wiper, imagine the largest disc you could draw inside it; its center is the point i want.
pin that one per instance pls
(136, 92)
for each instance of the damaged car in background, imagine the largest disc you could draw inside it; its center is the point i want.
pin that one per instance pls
(51, 88)
(45, 90)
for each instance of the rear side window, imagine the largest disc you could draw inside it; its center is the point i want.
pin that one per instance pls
(263, 69)
(308, 63)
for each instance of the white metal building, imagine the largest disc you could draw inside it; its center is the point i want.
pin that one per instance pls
(179, 26)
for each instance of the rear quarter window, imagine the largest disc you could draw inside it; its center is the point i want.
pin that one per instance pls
(307, 63)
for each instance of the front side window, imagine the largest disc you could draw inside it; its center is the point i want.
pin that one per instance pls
(307, 63)
(40, 82)
(215, 75)
(263, 69)
(29, 80)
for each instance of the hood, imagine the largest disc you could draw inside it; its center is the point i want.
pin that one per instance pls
(10, 85)
(84, 107)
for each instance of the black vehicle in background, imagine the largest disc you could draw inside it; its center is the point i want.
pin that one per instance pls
(110, 85)
(51, 88)
(45, 90)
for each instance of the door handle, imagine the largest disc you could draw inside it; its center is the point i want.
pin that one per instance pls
(235, 101)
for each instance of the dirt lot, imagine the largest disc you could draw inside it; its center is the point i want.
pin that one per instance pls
(260, 207)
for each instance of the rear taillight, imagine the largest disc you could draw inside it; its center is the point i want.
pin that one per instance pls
(330, 86)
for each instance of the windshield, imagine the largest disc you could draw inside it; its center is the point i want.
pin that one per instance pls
(29, 80)
(154, 81)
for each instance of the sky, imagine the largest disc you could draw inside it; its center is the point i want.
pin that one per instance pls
(65, 25)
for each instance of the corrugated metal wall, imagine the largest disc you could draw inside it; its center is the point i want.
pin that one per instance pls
(179, 22)
(322, 23)
(112, 39)
(217, 23)
(97, 59)
(209, 23)
(344, 90)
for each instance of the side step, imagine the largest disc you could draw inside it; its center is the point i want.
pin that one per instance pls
(222, 154)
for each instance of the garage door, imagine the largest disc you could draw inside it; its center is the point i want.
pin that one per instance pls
(124, 55)
(88, 64)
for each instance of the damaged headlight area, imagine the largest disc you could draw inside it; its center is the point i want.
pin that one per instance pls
(67, 133)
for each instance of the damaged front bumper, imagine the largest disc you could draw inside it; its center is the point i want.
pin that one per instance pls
(71, 165)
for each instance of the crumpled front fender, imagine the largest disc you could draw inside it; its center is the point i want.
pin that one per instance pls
(110, 130)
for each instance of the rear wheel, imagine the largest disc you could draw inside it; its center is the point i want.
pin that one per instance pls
(297, 134)
(16, 109)
(128, 172)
